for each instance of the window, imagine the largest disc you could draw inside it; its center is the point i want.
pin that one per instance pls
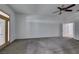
(2, 32)
(4, 28)
(68, 30)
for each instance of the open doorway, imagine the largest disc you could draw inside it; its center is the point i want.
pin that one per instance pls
(4, 29)
(68, 30)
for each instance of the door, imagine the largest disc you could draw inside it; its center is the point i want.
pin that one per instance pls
(4, 29)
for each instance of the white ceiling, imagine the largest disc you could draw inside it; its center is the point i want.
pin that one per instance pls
(43, 10)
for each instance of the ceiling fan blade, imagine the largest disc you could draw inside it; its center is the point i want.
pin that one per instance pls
(68, 10)
(59, 8)
(70, 6)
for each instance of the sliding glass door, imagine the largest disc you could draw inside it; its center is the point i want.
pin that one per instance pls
(2, 31)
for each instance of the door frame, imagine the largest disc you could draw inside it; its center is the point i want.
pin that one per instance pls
(6, 29)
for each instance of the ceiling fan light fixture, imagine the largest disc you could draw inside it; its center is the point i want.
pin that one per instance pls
(67, 9)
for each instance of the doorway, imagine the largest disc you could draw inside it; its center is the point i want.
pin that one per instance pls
(68, 30)
(4, 29)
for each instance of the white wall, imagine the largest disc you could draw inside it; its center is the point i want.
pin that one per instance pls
(6, 9)
(28, 26)
(77, 30)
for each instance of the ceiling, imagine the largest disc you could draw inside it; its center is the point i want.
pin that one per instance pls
(43, 10)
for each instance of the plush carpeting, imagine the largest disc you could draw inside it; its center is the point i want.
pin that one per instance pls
(43, 46)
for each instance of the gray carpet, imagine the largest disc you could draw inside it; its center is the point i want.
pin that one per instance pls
(43, 46)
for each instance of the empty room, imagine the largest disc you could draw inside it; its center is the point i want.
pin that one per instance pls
(39, 28)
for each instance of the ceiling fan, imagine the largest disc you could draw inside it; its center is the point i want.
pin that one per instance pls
(66, 9)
